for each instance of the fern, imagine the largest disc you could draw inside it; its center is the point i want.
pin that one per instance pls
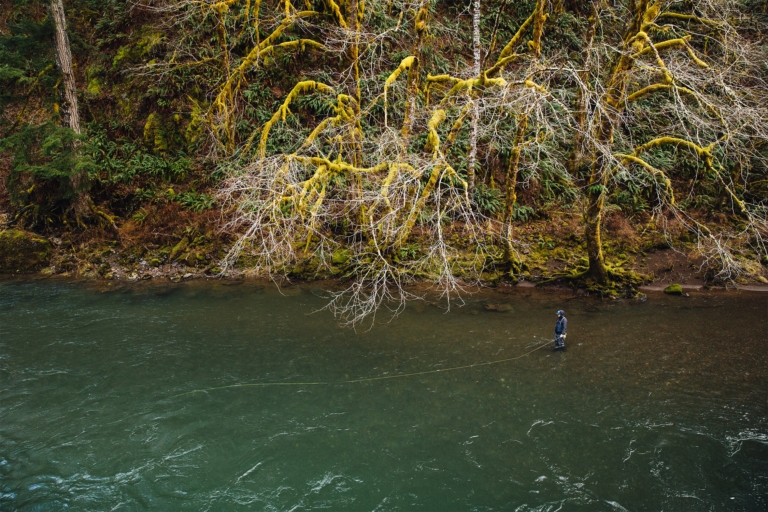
(488, 200)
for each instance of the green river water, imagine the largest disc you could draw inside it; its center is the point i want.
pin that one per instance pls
(661, 405)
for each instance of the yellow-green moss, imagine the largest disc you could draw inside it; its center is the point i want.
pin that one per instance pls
(340, 257)
(21, 251)
(179, 248)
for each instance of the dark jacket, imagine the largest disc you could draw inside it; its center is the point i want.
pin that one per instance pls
(561, 326)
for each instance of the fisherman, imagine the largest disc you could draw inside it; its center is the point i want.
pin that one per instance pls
(560, 329)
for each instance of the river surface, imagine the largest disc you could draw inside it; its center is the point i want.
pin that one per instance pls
(106, 402)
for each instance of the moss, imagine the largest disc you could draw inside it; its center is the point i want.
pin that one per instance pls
(195, 130)
(122, 53)
(140, 49)
(164, 133)
(155, 133)
(674, 289)
(179, 248)
(21, 251)
(93, 75)
(340, 257)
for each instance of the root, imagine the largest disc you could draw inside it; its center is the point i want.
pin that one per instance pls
(99, 214)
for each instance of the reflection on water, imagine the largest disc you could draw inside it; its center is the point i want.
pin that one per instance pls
(660, 405)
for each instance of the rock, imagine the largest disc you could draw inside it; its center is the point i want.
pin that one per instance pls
(22, 251)
(673, 289)
(762, 279)
(188, 275)
(500, 308)
(155, 262)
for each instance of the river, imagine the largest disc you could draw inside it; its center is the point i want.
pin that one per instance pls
(149, 397)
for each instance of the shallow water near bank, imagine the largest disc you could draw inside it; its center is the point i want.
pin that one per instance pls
(661, 405)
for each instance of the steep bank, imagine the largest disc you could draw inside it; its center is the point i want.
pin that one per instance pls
(164, 248)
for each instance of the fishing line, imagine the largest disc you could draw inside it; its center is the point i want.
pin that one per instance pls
(368, 379)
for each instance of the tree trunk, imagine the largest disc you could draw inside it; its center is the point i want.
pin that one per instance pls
(412, 88)
(615, 99)
(593, 218)
(476, 69)
(511, 185)
(353, 15)
(69, 113)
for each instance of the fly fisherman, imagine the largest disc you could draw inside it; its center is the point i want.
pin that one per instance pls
(560, 329)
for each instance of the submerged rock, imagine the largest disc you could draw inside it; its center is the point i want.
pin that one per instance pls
(500, 308)
(22, 251)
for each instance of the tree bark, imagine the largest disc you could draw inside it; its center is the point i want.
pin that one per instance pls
(511, 185)
(412, 87)
(615, 100)
(70, 114)
(475, 106)
(593, 218)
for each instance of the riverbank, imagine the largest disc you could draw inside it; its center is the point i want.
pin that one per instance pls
(193, 254)
(493, 294)
(169, 246)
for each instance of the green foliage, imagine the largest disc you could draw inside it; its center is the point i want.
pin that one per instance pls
(26, 60)
(596, 189)
(122, 162)
(140, 216)
(523, 213)
(319, 104)
(631, 195)
(488, 200)
(195, 201)
(46, 158)
(409, 252)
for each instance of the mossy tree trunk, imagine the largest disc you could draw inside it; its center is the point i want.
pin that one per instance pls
(511, 186)
(615, 103)
(539, 18)
(593, 220)
(412, 87)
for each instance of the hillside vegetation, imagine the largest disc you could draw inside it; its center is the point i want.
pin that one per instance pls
(389, 142)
